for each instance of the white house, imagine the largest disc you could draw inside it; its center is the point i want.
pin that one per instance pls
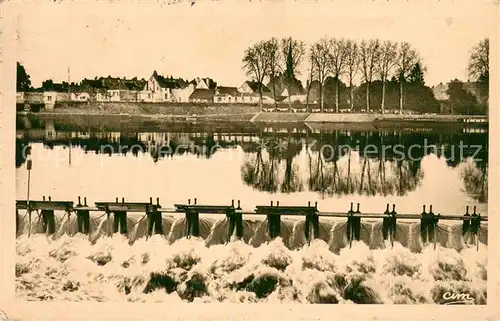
(181, 95)
(49, 98)
(202, 96)
(201, 83)
(80, 96)
(250, 91)
(145, 96)
(101, 97)
(295, 96)
(161, 87)
(113, 94)
(227, 95)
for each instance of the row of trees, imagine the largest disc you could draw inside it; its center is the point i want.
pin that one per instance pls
(345, 60)
(372, 59)
(338, 58)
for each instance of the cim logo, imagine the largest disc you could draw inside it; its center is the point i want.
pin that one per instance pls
(3, 316)
(458, 298)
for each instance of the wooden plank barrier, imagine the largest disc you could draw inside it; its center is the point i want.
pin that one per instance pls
(428, 220)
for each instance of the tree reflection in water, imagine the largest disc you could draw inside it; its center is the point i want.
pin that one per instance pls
(475, 178)
(262, 170)
(288, 163)
(330, 171)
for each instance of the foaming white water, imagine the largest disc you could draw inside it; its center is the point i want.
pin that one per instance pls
(71, 268)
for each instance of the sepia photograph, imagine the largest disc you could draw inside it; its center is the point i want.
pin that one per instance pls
(252, 153)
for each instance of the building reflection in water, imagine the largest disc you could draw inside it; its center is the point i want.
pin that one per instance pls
(289, 160)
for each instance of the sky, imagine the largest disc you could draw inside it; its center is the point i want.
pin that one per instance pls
(208, 39)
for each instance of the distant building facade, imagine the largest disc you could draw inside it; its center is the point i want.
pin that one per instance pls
(227, 95)
(202, 96)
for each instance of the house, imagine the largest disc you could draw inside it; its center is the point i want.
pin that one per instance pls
(203, 83)
(49, 99)
(101, 97)
(119, 90)
(249, 98)
(63, 96)
(161, 87)
(182, 94)
(296, 95)
(252, 87)
(250, 91)
(112, 89)
(202, 96)
(227, 95)
(113, 95)
(199, 83)
(79, 96)
(145, 96)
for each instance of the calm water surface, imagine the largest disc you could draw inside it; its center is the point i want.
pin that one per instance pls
(293, 164)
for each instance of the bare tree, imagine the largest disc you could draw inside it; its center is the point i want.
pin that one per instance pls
(406, 60)
(274, 58)
(293, 52)
(386, 63)
(320, 56)
(256, 64)
(369, 52)
(337, 64)
(352, 67)
(479, 63)
(309, 83)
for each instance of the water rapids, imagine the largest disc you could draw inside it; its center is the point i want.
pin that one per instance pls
(170, 267)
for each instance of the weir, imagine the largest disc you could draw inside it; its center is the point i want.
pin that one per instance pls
(471, 223)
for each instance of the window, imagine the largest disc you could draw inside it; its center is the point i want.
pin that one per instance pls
(49, 98)
(219, 99)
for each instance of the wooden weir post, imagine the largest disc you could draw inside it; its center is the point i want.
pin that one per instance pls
(235, 221)
(389, 224)
(192, 215)
(434, 219)
(349, 225)
(120, 220)
(82, 216)
(154, 217)
(274, 213)
(466, 223)
(394, 224)
(471, 224)
(47, 209)
(353, 224)
(424, 225)
(192, 218)
(120, 211)
(386, 224)
(311, 229)
(475, 225)
(428, 226)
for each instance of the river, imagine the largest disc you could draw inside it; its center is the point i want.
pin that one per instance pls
(333, 165)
